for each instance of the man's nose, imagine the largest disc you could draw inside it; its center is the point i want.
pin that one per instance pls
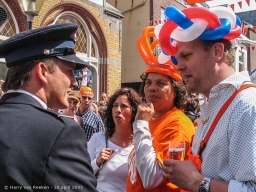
(180, 65)
(73, 82)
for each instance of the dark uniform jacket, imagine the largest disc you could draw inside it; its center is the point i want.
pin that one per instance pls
(40, 151)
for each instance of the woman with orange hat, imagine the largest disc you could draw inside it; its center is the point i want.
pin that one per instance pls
(158, 120)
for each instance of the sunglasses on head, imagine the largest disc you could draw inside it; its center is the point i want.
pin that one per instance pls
(84, 97)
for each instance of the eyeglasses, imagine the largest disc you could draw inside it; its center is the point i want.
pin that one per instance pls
(84, 97)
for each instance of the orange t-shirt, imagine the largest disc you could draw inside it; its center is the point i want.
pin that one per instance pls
(174, 125)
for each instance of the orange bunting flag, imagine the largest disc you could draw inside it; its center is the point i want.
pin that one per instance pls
(253, 48)
(245, 31)
(189, 2)
(232, 6)
(248, 2)
(254, 28)
(240, 4)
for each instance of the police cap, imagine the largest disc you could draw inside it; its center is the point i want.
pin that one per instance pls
(51, 41)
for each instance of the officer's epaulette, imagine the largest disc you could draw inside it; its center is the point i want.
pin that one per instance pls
(60, 115)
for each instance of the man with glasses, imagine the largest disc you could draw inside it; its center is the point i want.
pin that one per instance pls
(92, 122)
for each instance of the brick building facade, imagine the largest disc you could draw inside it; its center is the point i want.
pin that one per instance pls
(98, 37)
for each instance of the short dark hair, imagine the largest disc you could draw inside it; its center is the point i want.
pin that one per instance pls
(134, 101)
(18, 75)
(179, 89)
(229, 54)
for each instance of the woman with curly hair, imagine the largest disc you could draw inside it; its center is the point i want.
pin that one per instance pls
(109, 153)
(159, 119)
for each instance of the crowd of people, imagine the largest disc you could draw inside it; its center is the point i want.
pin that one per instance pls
(55, 136)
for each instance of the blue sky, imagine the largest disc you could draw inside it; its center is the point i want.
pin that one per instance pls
(237, 8)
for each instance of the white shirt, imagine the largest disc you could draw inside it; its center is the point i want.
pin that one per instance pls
(230, 154)
(143, 157)
(84, 80)
(113, 174)
(30, 94)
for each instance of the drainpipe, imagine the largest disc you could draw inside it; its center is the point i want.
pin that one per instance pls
(143, 3)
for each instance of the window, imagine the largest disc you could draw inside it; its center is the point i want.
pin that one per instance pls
(162, 15)
(7, 29)
(81, 43)
(7, 26)
(241, 61)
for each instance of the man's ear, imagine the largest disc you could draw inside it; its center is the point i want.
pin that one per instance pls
(218, 49)
(42, 71)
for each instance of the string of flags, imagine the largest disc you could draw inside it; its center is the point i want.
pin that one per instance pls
(246, 47)
(240, 3)
(245, 26)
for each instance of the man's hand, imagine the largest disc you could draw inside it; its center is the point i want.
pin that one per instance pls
(184, 174)
(145, 111)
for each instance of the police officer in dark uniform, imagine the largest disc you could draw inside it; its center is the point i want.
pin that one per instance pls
(39, 149)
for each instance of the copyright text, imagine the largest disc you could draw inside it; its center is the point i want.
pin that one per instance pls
(34, 187)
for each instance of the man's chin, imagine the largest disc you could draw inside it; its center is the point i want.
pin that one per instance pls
(191, 89)
(63, 105)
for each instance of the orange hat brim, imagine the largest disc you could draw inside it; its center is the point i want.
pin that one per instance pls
(164, 69)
